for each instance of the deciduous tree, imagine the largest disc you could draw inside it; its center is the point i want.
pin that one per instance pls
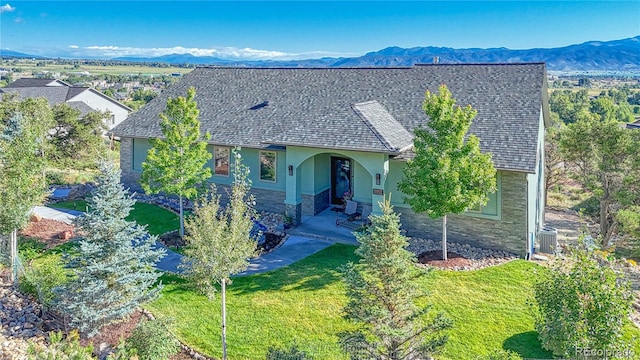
(22, 183)
(220, 241)
(382, 294)
(448, 173)
(113, 269)
(176, 163)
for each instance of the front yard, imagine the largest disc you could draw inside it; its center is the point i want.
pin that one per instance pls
(303, 303)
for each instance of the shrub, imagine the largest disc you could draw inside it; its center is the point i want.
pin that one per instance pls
(500, 354)
(61, 348)
(152, 340)
(292, 353)
(583, 302)
(30, 248)
(40, 276)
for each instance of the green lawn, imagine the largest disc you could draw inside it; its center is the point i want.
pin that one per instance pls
(157, 219)
(303, 302)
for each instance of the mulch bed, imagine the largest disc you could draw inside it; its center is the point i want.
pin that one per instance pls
(47, 230)
(434, 258)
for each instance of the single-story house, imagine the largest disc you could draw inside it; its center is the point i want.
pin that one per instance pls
(311, 135)
(56, 92)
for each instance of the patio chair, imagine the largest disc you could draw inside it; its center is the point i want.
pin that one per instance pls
(350, 211)
(359, 220)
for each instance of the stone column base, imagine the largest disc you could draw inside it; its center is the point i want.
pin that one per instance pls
(294, 212)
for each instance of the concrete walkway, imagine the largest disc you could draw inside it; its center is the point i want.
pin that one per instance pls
(294, 249)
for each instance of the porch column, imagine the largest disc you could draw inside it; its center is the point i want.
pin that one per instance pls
(379, 174)
(293, 199)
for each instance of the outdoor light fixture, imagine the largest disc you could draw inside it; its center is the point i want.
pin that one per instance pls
(290, 170)
(377, 179)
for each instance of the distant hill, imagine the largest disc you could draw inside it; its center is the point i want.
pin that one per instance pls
(618, 55)
(9, 53)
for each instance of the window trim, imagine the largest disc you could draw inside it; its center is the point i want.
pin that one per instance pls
(228, 161)
(275, 166)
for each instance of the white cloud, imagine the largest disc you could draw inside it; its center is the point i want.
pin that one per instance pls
(229, 53)
(6, 8)
(74, 47)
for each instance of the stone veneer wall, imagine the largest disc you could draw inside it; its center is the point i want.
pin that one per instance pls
(314, 204)
(509, 233)
(129, 177)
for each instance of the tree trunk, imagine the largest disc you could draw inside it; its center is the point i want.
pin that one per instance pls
(181, 219)
(223, 293)
(14, 256)
(444, 238)
(604, 212)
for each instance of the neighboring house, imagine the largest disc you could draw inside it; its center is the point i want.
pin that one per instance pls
(310, 135)
(634, 125)
(82, 98)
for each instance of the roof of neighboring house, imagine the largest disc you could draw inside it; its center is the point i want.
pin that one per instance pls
(80, 105)
(365, 109)
(55, 94)
(35, 82)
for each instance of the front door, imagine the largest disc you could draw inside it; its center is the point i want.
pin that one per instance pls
(340, 179)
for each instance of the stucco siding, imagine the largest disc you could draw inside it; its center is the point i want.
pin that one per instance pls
(508, 234)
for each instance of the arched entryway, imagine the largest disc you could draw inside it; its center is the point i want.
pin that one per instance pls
(319, 178)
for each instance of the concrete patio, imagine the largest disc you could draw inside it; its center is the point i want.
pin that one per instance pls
(323, 227)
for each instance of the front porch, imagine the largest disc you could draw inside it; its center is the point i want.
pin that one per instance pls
(323, 226)
(317, 179)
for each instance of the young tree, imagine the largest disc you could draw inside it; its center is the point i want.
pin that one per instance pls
(382, 292)
(22, 183)
(113, 270)
(607, 163)
(448, 174)
(176, 164)
(582, 302)
(220, 241)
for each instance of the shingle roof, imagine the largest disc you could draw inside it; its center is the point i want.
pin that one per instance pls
(34, 82)
(314, 107)
(53, 94)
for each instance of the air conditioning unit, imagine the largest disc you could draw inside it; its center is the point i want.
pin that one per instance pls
(548, 238)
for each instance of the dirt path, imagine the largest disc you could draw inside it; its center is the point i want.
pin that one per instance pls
(567, 222)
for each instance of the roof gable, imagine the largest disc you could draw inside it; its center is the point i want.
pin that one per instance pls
(390, 132)
(36, 82)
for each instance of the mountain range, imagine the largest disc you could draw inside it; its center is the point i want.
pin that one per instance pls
(617, 55)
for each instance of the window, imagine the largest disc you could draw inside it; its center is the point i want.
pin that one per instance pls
(268, 166)
(492, 209)
(221, 160)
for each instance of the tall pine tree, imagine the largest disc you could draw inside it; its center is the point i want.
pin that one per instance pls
(113, 269)
(381, 293)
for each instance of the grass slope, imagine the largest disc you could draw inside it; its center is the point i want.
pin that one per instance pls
(157, 219)
(303, 303)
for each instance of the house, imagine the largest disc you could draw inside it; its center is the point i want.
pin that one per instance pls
(82, 98)
(311, 135)
(634, 125)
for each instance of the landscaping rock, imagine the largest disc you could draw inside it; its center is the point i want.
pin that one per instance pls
(478, 258)
(19, 322)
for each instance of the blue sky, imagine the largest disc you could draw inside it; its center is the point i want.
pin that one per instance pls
(303, 29)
